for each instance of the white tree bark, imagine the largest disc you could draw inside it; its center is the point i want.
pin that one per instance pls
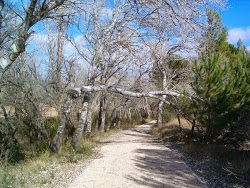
(161, 103)
(103, 113)
(77, 92)
(55, 145)
(81, 124)
(89, 121)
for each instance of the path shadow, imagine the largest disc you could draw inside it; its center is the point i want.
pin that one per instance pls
(161, 168)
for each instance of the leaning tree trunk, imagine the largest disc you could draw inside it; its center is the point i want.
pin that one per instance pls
(55, 145)
(81, 124)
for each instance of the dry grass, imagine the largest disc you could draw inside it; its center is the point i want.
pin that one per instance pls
(171, 129)
(49, 112)
(46, 111)
(173, 124)
(98, 137)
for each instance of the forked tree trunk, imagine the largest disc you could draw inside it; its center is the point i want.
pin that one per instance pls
(55, 145)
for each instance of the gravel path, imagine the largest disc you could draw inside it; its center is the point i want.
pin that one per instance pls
(132, 159)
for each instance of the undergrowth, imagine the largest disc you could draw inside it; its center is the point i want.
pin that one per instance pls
(41, 170)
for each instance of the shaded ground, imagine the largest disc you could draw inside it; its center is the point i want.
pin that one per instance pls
(132, 158)
(218, 166)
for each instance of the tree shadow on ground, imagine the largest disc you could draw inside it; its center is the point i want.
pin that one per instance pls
(162, 168)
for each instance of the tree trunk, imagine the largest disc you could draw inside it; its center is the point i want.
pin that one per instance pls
(96, 126)
(139, 115)
(103, 108)
(161, 103)
(178, 117)
(1, 13)
(129, 115)
(89, 121)
(193, 126)
(160, 114)
(77, 92)
(82, 121)
(119, 119)
(148, 110)
(55, 145)
(92, 102)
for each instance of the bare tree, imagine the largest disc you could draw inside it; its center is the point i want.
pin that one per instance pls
(17, 22)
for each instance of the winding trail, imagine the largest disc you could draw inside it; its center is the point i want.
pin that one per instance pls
(131, 159)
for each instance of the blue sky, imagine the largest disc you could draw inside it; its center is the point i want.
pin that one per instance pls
(237, 20)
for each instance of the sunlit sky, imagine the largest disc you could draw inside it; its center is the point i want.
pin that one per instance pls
(237, 20)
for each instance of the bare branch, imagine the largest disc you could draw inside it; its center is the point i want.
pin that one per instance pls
(77, 92)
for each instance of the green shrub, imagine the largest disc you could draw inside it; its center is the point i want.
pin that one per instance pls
(222, 93)
(51, 125)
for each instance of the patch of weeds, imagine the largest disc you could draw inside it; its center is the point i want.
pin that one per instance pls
(11, 177)
(68, 154)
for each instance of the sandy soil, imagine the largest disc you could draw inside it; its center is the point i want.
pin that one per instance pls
(132, 159)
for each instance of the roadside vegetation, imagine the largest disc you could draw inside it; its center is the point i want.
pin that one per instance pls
(41, 170)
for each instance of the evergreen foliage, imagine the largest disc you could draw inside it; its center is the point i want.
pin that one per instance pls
(223, 91)
(221, 83)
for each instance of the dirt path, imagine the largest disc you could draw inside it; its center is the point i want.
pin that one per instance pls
(132, 159)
